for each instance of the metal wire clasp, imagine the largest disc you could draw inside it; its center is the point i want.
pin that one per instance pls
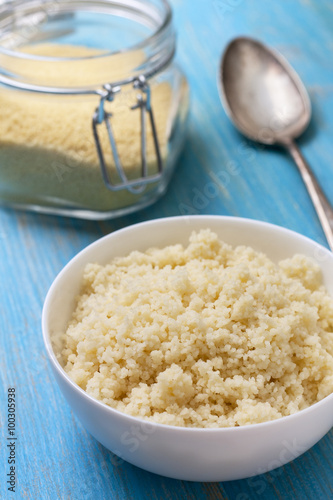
(101, 115)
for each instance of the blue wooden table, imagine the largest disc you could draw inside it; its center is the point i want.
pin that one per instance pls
(57, 459)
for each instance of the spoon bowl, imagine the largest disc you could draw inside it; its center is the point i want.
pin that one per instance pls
(262, 94)
(267, 102)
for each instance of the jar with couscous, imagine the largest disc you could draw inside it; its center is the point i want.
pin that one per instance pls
(93, 108)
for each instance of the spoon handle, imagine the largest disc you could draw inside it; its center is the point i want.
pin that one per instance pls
(319, 200)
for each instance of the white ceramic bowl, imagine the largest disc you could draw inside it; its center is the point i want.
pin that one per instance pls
(177, 452)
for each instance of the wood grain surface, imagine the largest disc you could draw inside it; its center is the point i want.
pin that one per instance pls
(57, 459)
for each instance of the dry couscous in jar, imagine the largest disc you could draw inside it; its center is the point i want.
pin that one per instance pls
(93, 108)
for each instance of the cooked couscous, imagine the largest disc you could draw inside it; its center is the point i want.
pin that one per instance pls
(203, 336)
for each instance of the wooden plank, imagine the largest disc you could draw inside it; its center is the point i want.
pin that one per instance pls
(57, 459)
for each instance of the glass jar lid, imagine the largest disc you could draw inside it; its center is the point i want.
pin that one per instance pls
(115, 29)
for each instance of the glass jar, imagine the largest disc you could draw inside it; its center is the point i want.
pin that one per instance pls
(93, 108)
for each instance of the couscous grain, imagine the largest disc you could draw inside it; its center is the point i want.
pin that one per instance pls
(203, 336)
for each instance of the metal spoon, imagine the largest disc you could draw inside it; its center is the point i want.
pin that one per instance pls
(267, 102)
